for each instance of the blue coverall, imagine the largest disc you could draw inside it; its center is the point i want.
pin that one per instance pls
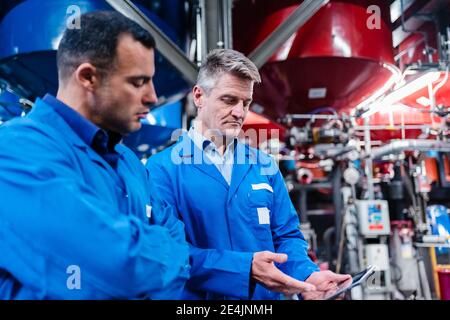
(63, 205)
(225, 224)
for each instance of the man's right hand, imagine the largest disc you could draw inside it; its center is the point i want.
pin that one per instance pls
(265, 272)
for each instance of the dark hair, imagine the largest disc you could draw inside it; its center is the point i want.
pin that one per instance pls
(96, 41)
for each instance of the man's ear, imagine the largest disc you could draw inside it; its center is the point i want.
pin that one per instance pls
(87, 76)
(198, 94)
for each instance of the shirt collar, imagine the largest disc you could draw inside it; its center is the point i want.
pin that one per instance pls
(207, 145)
(85, 129)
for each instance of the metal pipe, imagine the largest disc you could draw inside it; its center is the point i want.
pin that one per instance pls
(423, 33)
(290, 117)
(303, 206)
(336, 182)
(281, 34)
(405, 51)
(200, 51)
(368, 162)
(227, 6)
(398, 146)
(424, 279)
(394, 127)
(328, 243)
(312, 186)
(165, 46)
(338, 152)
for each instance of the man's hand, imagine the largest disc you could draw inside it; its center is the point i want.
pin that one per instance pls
(326, 283)
(265, 272)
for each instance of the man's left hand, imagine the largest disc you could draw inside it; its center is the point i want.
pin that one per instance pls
(326, 283)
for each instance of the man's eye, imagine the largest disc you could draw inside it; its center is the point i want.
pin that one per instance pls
(138, 83)
(229, 101)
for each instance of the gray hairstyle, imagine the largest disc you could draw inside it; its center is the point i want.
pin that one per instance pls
(220, 61)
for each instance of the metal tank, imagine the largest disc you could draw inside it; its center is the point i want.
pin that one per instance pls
(338, 58)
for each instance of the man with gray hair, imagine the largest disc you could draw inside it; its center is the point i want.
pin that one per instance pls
(239, 220)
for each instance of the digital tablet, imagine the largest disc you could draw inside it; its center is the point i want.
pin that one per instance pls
(357, 279)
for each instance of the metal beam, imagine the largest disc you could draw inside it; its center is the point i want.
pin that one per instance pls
(216, 24)
(164, 45)
(412, 18)
(226, 12)
(396, 8)
(281, 34)
(213, 25)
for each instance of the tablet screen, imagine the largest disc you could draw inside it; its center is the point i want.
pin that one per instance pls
(357, 279)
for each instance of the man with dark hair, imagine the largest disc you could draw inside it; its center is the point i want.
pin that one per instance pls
(74, 222)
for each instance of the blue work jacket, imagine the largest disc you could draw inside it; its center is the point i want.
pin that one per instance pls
(72, 227)
(225, 224)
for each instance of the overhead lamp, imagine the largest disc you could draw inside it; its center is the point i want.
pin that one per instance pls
(423, 101)
(393, 79)
(397, 107)
(403, 92)
(412, 86)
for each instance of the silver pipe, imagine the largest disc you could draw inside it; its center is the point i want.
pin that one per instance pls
(423, 33)
(334, 152)
(164, 45)
(368, 161)
(398, 146)
(309, 116)
(424, 280)
(396, 127)
(405, 51)
(199, 35)
(227, 6)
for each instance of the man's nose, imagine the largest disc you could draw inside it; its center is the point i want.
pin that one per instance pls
(238, 110)
(150, 98)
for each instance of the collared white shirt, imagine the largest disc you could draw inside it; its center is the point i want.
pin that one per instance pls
(223, 163)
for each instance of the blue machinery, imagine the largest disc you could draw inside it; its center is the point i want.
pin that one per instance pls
(28, 59)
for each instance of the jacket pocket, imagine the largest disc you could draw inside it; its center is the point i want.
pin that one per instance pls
(260, 196)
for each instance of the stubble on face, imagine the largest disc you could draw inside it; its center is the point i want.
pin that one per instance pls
(120, 105)
(225, 107)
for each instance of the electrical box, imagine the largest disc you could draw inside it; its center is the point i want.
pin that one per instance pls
(378, 286)
(377, 255)
(373, 217)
